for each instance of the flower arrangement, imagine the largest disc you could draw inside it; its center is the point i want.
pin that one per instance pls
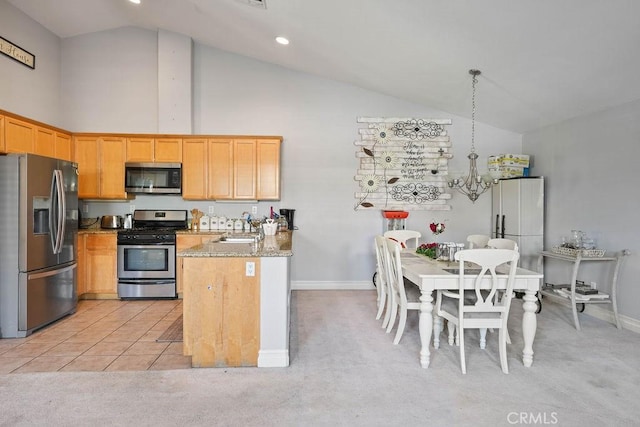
(427, 249)
(437, 227)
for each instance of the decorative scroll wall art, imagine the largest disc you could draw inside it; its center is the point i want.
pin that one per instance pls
(403, 164)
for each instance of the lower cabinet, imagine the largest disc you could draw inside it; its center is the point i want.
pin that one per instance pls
(98, 265)
(185, 242)
(221, 311)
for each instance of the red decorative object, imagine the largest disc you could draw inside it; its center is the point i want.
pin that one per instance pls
(395, 214)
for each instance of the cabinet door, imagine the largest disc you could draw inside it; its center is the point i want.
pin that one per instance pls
(268, 166)
(184, 242)
(81, 271)
(101, 263)
(194, 169)
(244, 168)
(87, 157)
(220, 176)
(19, 136)
(168, 150)
(45, 143)
(3, 148)
(112, 159)
(63, 149)
(140, 149)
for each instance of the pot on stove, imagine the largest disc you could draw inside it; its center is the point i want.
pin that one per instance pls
(111, 221)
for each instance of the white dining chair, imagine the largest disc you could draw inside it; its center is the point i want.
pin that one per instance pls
(477, 241)
(485, 311)
(502, 244)
(406, 238)
(382, 282)
(403, 298)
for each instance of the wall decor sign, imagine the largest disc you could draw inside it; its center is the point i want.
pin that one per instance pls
(17, 53)
(403, 164)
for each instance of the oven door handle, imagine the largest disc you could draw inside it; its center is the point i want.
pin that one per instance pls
(146, 281)
(145, 246)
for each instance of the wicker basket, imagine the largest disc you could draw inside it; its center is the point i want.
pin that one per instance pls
(587, 253)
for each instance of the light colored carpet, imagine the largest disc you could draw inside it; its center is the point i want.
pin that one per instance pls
(345, 371)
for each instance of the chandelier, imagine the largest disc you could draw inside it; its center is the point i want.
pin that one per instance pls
(473, 185)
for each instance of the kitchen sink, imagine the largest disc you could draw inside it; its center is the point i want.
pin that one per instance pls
(240, 238)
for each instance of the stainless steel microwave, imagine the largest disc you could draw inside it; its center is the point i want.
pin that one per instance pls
(153, 178)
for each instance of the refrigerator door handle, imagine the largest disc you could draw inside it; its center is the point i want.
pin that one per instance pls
(33, 276)
(53, 223)
(56, 220)
(502, 234)
(62, 215)
(497, 226)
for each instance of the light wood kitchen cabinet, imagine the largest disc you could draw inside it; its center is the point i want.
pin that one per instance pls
(154, 150)
(220, 173)
(2, 145)
(19, 136)
(231, 169)
(268, 167)
(45, 142)
(221, 312)
(100, 270)
(81, 259)
(101, 167)
(194, 168)
(64, 148)
(184, 242)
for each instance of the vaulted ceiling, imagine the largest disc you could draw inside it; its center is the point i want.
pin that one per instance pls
(542, 61)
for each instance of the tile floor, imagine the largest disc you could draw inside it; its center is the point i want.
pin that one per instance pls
(103, 335)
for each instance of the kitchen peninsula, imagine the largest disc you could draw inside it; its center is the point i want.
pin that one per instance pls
(236, 302)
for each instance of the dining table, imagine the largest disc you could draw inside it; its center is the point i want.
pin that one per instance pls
(431, 275)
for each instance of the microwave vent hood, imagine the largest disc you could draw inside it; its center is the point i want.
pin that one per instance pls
(153, 178)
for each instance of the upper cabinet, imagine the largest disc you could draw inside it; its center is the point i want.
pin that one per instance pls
(268, 169)
(19, 136)
(154, 150)
(231, 169)
(64, 148)
(25, 136)
(101, 162)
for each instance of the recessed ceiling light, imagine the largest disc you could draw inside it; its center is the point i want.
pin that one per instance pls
(135, 1)
(282, 40)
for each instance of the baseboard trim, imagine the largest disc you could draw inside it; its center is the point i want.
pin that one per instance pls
(607, 315)
(331, 286)
(273, 358)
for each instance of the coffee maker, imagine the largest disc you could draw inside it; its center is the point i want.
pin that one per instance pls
(288, 214)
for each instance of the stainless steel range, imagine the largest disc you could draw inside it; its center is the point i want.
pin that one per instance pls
(147, 254)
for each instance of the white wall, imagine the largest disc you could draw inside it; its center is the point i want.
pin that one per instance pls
(30, 92)
(591, 166)
(110, 85)
(110, 81)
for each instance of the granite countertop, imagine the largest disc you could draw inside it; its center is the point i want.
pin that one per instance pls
(271, 246)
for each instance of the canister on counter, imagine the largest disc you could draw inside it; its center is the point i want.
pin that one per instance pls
(204, 222)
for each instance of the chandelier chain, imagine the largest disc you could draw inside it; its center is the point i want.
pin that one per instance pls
(473, 113)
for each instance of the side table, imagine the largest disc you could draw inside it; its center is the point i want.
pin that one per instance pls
(576, 260)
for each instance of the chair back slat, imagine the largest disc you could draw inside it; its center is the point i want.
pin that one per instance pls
(406, 238)
(488, 260)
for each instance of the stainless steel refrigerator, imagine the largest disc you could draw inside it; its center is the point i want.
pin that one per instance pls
(518, 214)
(38, 228)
